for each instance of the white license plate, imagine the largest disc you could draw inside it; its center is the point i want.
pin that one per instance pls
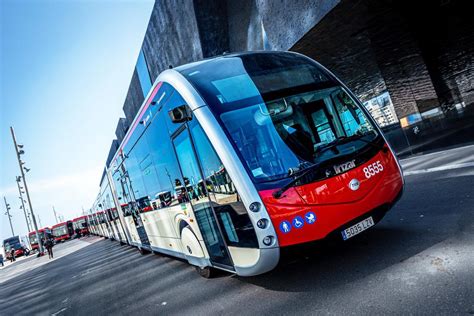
(357, 228)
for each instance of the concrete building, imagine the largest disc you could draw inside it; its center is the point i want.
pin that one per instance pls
(420, 53)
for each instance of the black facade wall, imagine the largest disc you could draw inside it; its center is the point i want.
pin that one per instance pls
(112, 150)
(172, 37)
(121, 129)
(287, 21)
(245, 26)
(284, 22)
(134, 99)
(212, 22)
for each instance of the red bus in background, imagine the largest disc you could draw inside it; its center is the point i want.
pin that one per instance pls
(44, 232)
(63, 231)
(81, 224)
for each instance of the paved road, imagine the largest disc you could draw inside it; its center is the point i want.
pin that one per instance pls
(418, 260)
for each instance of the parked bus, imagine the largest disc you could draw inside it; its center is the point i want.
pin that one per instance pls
(63, 231)
(93, 224)
(81, 224)
(232, 158)
(43, 233)
(20, 248)
(115, 225)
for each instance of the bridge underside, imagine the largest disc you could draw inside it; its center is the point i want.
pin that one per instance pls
(421, 53)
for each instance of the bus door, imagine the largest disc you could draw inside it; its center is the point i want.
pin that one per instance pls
(134, 207)
(112, 218)
(193, 189)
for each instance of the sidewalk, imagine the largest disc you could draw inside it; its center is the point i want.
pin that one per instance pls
(456, 158)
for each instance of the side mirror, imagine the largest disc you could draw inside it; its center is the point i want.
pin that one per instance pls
(180, 114)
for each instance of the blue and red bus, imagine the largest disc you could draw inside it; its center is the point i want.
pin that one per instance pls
(232, 158)
(16, 245)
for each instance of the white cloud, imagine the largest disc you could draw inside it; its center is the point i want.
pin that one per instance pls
(85, 178)
(68, 193)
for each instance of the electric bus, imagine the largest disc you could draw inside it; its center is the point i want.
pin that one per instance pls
(80, 224)
(62, 231)
(43, 233)
(112, 225)
(104, 226)
(115, 225)
(232, 158)
(92, 224)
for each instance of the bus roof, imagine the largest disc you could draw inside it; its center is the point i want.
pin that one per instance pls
(11, 239)
(39, 230)
(60, 224)
(79, 218)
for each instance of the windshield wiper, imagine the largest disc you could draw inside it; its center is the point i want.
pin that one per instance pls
(345, 139)
(332, 145)
(298, 175)
(301, 173)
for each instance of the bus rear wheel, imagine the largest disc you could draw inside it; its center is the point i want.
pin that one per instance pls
(206, 272)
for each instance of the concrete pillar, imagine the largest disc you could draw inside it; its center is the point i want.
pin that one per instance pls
(400, 62)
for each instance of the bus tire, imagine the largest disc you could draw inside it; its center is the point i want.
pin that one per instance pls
(143, 251)
(206, 272)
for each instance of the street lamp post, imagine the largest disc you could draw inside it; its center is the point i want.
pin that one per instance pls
(55, 216)
(18, 179)
(8, 215)
(20, 163)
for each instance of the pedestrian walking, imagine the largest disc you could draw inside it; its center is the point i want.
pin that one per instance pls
(48, 244)
(1, 260)
(12, 255)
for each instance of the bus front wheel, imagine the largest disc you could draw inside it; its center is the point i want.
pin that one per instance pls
(206, 272)
(143, 251)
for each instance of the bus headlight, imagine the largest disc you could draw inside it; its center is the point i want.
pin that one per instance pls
(262, 223)
(254, 207)
(268, 240)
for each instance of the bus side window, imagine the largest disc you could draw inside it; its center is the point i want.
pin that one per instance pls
(230, 211)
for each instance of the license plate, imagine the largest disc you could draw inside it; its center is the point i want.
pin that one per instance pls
(357, 228)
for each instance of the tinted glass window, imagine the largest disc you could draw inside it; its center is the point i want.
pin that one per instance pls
(161, 171)
(282, 112)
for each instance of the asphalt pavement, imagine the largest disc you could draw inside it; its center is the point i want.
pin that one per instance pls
(418, 260)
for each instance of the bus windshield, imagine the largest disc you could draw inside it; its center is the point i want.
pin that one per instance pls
(282, 112)
(10, 243)
(60, 230)
(34, 239)
(80, 224)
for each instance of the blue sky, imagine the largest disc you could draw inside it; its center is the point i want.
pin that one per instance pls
(65, 69)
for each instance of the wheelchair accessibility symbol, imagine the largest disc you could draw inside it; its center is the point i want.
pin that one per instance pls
(310, 217)
(298, 222)
(285, 227)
